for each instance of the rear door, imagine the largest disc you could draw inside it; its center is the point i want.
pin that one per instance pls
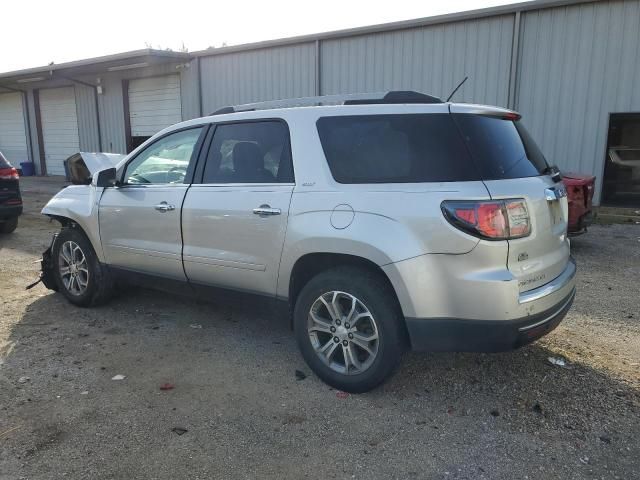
(512, 166)
(234, 221)
(140, 219)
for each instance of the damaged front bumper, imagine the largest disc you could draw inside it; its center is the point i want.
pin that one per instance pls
(47, 275)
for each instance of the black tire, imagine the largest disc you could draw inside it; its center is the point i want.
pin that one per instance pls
(376, 295)
(99, 283)
(8, 226)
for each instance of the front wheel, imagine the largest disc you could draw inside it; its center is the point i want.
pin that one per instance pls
(80, 276)
(349, 328)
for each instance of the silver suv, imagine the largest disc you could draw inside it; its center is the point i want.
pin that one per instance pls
(386, 222)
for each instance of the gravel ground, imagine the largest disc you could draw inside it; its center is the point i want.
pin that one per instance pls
(247, 415)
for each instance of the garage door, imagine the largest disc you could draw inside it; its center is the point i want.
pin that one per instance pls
(154, 104)
(13, 137)
(59, 127)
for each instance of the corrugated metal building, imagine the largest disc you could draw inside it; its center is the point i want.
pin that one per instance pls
(572, 68)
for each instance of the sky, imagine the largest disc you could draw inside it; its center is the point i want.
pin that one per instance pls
(36, 33)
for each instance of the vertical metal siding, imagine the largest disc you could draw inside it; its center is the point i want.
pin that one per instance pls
(268, 74)
(87, 118)
(577, 65)
(189, 91)
(112, 116)
(432, 59)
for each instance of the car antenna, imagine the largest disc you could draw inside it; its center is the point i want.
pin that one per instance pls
(456, 89)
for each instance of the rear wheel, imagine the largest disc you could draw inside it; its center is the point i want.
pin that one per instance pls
(80, 276)
(9, 225)
(348, 328)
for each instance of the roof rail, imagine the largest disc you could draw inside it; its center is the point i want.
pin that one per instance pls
(393, 97)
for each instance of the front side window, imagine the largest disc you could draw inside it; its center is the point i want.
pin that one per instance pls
(164, 161)
(395, 149)
(251, 152)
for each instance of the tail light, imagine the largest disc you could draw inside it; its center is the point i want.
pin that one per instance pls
(8, 173)
(489, 219)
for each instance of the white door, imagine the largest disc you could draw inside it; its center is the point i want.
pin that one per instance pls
(59, 127)
(13, 137)
(154, 104)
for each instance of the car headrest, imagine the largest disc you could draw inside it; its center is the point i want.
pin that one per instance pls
(247, 157)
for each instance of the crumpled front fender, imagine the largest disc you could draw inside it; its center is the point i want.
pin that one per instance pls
(78, 204)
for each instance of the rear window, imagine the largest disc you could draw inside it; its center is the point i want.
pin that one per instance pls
(395, 149)
(3, 162)
(502, 149)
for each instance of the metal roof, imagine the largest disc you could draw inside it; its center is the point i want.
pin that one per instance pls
(98, 64)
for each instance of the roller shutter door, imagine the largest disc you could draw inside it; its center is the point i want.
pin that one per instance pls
(13, 136)
(59, 127)
(154, 104)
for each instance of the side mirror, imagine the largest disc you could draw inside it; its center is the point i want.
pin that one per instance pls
(106, 178)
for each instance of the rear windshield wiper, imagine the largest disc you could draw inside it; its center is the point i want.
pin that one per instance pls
(553, 171)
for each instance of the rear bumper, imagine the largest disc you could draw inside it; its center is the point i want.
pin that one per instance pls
(458, 335)
(10, 211)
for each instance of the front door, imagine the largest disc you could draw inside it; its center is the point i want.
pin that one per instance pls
(140, 219)
(234, 220)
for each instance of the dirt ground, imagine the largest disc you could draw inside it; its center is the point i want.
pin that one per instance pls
(245, 414)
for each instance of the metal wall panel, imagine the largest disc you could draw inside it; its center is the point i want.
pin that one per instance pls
(190, 91)
(432, 59)
(87, 119)
(578, 64)
(111, 107)
(267, 74)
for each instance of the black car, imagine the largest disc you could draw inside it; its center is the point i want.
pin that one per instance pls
(10, 198)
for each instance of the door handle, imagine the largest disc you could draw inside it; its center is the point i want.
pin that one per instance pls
(266, 210)
(164, 207)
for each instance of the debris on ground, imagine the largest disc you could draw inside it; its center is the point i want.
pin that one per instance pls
(557, 361)
(167, 386)
(118, 377)
(85, 392)
(24, 379)
(179, 430)
(195, 325)
(342, 395)
(300, 375)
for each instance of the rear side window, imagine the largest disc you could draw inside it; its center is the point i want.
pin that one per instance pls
(250, 152)
(502, 149)
(395, 149)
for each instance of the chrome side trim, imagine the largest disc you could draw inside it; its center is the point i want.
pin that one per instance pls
(551, 316)
(553, 286)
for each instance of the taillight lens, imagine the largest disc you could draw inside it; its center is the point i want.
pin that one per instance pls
(490, 219)
(8, 173)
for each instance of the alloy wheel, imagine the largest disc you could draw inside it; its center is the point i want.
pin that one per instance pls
(73, 267)
(343, 332)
